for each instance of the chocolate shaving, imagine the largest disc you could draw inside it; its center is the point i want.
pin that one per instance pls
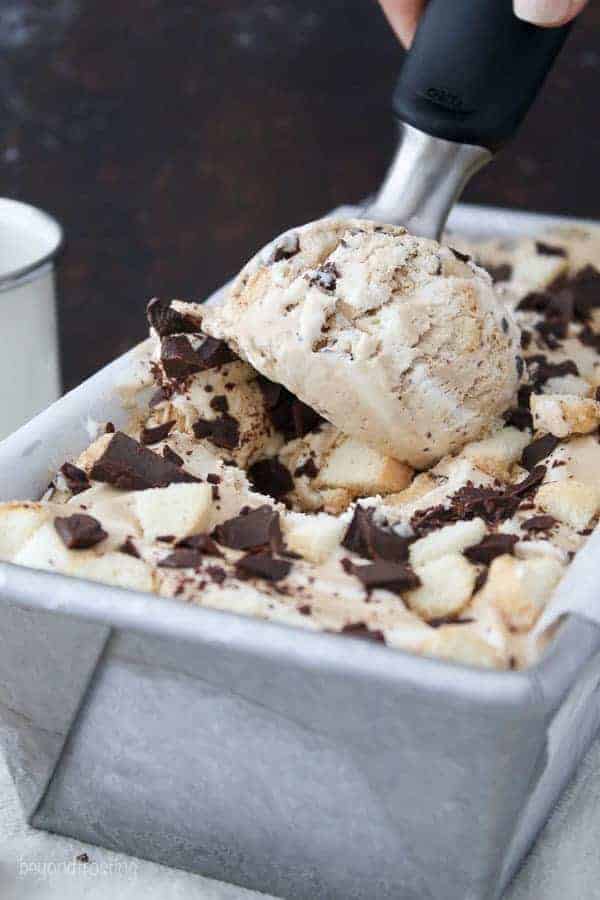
(224, 431)
(157, 433)
(391, 576)
(166, 320)
(490, 547)
(492, 504)
(76, 478)
(79, 531)
(538, 450)
(128, 465)
(262, 565)
(271, 477)
(256, 528)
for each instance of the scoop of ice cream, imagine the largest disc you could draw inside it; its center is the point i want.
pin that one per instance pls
(396, 340)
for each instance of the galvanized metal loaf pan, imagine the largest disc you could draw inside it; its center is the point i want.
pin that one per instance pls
(306, 765)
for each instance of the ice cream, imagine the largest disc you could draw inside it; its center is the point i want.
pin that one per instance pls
(398, 341)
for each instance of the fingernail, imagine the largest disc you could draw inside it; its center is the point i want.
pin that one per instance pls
(543, 12)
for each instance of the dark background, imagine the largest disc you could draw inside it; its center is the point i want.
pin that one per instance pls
(172, 138)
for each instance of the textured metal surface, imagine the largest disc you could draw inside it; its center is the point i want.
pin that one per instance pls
(425, 179)
(304, 764)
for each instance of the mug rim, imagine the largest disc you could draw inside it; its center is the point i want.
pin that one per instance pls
(44, 262)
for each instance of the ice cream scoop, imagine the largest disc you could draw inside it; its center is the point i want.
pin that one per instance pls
(397, 340)
(466, 84)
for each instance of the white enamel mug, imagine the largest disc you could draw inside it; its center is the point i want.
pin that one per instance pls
(29, 359)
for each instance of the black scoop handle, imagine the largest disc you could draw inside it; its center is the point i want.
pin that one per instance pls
(473, 71)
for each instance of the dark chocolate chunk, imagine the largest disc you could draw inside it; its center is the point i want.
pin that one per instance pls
(262, 565)
(224, 431)
(501, 272)
(166, 320)
(212, 478)
(157, 433)
(163, 393)
(585, 286)
(180, 358)
(305, 609)
(216, 574)
(308, 469)
(371, 541)
(544, 249)
(284, 248)
(360, 630)
(448, 620)
(271, 477)
(171, 456)
(202, 543)
(480, 580)
(490, 547)
(525, 339)
(220, 403)
(271, 392)
(325, 277)
(79, 531)
(182, 558)
(250, 530)
(526, 487)
(76, 478)
(129, 548)
(165, 538)
(128, 465)
(463, 257)
(589, 338)
(288, 414)
(538, 450)
(540, 370)
(519, 418)
(539, 523)
(520, 366)
(394, 577)
(504, 324)
(109, 428)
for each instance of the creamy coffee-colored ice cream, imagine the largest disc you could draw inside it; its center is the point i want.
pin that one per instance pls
(399, 342)
(230, 491)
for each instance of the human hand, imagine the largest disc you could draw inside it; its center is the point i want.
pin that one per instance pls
(404, 15)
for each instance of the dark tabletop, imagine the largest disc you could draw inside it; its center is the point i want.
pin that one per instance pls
(172, 138)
